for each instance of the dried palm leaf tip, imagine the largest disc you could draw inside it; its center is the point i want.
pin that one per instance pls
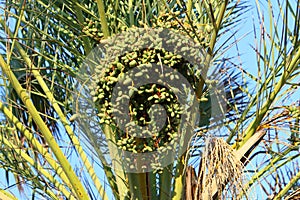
(220, 168)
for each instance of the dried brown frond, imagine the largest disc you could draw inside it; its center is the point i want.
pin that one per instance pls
(220, 169)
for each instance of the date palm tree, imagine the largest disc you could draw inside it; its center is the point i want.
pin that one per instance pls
(45, 154)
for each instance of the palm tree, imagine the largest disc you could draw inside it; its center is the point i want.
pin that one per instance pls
(43, 147)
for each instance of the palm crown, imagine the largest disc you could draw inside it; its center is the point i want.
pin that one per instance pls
(44, 43)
